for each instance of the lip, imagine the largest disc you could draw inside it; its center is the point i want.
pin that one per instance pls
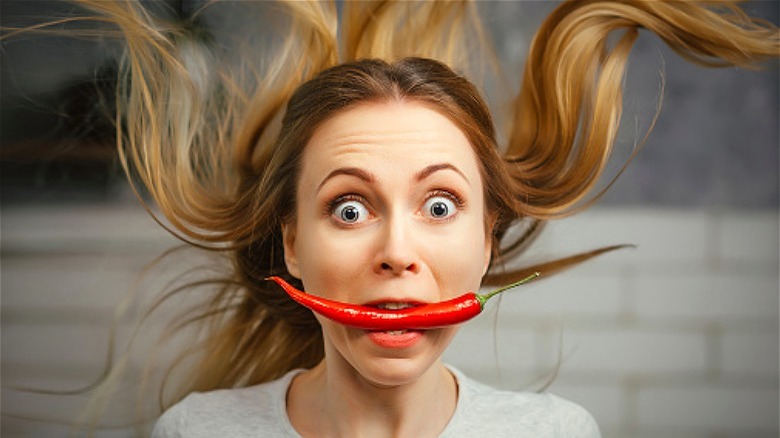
(395, 341)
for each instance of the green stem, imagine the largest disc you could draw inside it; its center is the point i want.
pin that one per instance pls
(483, 298)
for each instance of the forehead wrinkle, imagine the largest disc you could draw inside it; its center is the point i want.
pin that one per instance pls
(346, 142)
(359, 145)
(367, 138)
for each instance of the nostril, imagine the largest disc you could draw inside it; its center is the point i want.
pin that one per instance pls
(390, 267)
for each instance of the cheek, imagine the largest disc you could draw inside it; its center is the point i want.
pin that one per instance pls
(458, 257)
(328, 257)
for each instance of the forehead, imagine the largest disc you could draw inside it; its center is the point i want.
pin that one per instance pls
(401, 133)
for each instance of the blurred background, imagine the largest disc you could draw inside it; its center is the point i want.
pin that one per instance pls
(675, 338)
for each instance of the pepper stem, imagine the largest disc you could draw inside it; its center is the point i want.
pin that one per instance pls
(483, 298)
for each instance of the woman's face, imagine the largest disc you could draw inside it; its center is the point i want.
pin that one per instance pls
(390, 211)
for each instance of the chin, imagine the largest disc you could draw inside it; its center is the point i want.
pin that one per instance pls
(393, 372)
(383, 364)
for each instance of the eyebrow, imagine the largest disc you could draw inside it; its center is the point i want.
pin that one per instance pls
(353, 171)
(433, 168)
(370, 178)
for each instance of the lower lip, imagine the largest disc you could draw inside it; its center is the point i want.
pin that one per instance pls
(389, 340)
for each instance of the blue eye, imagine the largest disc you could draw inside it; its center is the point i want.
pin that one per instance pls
(350, 212)
(439, 207)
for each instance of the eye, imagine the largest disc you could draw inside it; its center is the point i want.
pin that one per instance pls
(440, 207)
(350, 211)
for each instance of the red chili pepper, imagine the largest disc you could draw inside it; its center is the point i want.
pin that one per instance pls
(427, 316)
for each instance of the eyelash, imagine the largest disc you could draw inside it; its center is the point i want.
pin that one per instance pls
(453, 196)
(331, 205)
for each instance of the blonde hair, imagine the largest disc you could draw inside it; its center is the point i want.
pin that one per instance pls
(218, 153)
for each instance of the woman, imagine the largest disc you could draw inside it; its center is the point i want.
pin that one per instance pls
(383, 185)
(396, 193)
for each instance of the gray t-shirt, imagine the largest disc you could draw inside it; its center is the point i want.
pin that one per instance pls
(260, 411)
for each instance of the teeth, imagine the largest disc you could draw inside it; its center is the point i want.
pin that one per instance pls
(396, 332)
(394, 306)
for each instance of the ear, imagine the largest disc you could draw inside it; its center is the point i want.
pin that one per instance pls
(290, 259)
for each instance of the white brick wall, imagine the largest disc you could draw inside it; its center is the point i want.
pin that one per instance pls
(676, 338)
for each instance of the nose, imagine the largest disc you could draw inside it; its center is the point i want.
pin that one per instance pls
(396, 255)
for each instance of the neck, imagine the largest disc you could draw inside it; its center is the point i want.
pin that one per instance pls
(337, 401)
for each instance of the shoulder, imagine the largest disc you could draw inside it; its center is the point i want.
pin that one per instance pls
(228, 412)
(519, 414)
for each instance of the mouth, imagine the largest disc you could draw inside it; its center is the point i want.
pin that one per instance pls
(399, 306)
(395, 305)
(396, 332)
